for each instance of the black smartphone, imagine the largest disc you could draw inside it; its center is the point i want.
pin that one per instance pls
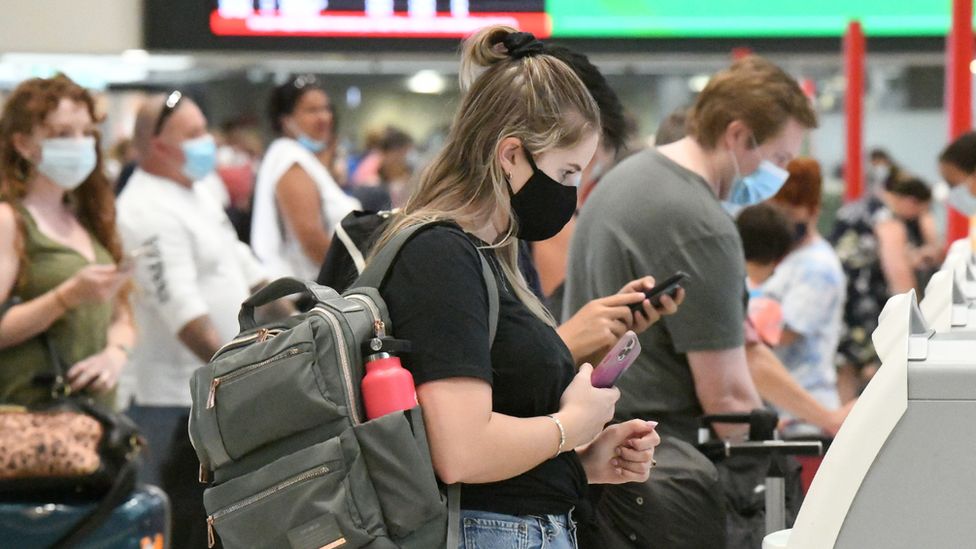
(670, 286)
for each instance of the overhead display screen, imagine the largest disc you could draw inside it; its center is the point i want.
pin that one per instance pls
(391, 24)
(745, 18)
(375, 18)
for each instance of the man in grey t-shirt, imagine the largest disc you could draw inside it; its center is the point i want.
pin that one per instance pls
(656, 213)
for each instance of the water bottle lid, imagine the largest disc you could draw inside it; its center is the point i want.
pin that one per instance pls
(387, 345)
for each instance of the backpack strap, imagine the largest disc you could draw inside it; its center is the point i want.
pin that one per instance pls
(453, 515)
(377, 271)
(373, 277)
(354, 253)
(453, 490)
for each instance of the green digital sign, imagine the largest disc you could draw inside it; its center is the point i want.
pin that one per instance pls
(745, 18)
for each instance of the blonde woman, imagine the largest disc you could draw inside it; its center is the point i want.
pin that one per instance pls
(512, 419)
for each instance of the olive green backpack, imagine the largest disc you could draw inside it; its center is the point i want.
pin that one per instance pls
(278, 424)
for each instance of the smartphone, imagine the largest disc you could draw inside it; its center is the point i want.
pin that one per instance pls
(670, 287)
(620, 357)
(129, 260)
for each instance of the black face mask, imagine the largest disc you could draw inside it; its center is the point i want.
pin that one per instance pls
(800, 231)
(543, 206)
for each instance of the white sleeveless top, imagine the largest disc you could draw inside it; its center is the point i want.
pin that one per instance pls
(272, 240)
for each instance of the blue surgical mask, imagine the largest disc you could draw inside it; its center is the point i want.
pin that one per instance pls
(68, 161)
(758, 186)
(200, 157)
(962, 200)
(313, 146)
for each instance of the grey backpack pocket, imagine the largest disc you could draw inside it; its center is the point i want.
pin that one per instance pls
(319, 495)
(262, 396)
(394, 448)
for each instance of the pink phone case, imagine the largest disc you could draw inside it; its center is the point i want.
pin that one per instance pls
(623, 354)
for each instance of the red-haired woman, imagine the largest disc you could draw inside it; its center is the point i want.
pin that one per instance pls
(59, 251)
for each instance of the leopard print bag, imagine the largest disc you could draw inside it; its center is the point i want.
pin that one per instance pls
(73, 448)
(56, 444)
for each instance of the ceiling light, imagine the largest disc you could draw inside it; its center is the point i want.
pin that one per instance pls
(698, 82)
(426, 81)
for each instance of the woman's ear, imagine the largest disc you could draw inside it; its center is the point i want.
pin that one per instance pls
(26, 147)
(287, 123)
(508, 151)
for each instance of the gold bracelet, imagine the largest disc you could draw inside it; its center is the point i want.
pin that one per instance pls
(60, 299)
(562, 434)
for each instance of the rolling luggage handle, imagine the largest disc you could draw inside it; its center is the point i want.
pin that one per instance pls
(762, 442)
(762, 424)
(278, 289)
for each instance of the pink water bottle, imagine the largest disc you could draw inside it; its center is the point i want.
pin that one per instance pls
(387, 386)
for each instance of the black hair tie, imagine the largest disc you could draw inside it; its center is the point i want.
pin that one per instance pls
(522, 44)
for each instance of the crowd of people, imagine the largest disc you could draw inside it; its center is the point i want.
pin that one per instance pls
(537, 174)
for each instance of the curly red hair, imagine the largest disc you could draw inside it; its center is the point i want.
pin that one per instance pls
(804, 186)
(26, 108)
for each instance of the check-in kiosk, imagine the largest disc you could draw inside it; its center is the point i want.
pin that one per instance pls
(900, 472)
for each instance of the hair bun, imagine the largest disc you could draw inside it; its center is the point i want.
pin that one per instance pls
(522, 44)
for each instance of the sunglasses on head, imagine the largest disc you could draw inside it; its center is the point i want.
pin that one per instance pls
(303, 81)
(172, 101)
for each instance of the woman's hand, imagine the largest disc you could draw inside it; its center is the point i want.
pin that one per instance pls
(648, 315)
(93, 284)
(595, 328)
(621, 453)
(585, 409)
(598, 325)
(99, 372)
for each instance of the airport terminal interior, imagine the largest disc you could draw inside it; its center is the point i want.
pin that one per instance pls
(487, 274)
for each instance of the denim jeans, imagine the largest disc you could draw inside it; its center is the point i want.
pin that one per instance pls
(484, 530)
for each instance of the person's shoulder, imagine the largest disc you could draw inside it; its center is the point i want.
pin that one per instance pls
(150, 203)
(282, 145)
(8, 222)
(441, 257)
(636, 169)
(652, 188)
(882, 215)
(8, 218)
(438, 240)
(819, 260)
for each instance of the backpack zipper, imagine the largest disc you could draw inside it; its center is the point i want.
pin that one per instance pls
(343, 361)
(368, 302)
(227, 378)
(316, 472)
(261, 335)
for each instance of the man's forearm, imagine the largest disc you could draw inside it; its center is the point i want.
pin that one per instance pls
(724, 385)
(200, 336)
(777, 386)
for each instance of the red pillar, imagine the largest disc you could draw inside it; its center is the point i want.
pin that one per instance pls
(855, 46)
(959, 54)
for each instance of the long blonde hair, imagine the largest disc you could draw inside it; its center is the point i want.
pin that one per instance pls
(537, 99)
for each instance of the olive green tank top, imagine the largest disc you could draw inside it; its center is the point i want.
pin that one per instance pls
(78, 334)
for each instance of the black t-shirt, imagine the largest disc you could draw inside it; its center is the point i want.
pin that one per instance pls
(437, 299)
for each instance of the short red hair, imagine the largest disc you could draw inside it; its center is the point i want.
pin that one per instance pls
(804, 187)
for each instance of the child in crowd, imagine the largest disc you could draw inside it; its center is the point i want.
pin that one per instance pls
(767, 238)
